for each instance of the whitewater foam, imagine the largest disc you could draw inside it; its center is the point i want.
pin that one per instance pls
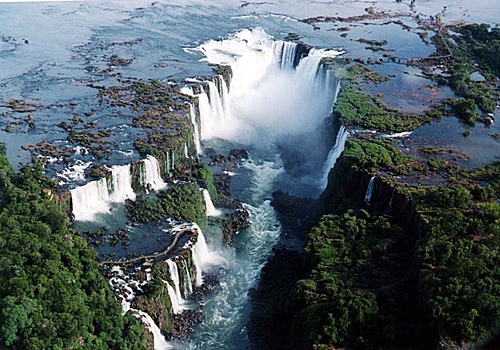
(268, 98)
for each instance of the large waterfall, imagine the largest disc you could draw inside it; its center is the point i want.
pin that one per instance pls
(95, 197)
(268, 97)
(273, 98)
(90, 199)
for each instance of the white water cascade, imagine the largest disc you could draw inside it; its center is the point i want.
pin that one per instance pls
(174, 291)
(268, 98)
(369, 190)
(211, 210)
(160, 343)
(122, 184)
(196, 130)
(152, 178)
(95, 197)
(213, 111)
(192, 115)
(334, 154)
(202, 258)
(271, 99)
(188, 284)
(90, 199)
(285, 51)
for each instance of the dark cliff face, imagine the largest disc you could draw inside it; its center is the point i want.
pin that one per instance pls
(301, 51)
(346, 187)
(422, 232)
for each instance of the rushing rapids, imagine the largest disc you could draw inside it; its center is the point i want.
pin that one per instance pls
(276, 93)
(253, 109)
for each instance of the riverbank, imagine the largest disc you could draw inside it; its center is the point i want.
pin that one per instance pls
(412, 235)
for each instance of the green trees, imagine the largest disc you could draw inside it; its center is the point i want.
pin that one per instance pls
(353, 260)
(182, 202)
(370, 284)
(52, 294)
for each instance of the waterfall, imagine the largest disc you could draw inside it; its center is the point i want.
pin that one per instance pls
(202, 258)
(284, 51)
(186, 151)
(174, 291)
(192, 115)
(196, 131)
(211, 210)
(160, 343)
(268, 97)
(167, 154)
(212, 110)
(334, 154)
(95, 197)
(122, 184)
(369, 190)
(90, 199)
(389, 207)
(188, 284)
(152, 177)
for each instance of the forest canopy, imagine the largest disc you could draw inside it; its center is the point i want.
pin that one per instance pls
(52, 294)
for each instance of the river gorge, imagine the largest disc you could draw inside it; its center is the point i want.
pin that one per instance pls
(258, 175)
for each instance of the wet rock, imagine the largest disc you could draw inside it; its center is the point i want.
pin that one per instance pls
(238, 154)
(209, 283)
(117, 61)
(234, 224)
(182, 324)
(301, 50)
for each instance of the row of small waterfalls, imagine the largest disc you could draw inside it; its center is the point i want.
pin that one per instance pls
(276, 91)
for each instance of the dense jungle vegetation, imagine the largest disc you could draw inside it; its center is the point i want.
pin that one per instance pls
(52, 294)
(373, 279)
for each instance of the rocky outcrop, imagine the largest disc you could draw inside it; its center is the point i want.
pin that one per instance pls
(231, 226)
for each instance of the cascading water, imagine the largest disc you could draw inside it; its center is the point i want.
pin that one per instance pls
(203, 259)
(95, 197)
(285, 52)
(192, 116)
(90, 199)
(160, 343)
(188, 284)
(271, 98)
(122, 184)
(174, 289)
(267, 98)
(211, 210)
(152, 177)
(196, 132)
(369, 190)
(334, 154)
